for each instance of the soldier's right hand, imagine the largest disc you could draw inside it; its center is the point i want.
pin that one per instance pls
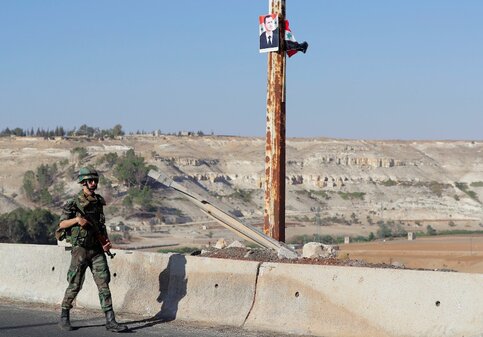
(81, 221)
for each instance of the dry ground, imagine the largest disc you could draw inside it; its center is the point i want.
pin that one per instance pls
(460, 253)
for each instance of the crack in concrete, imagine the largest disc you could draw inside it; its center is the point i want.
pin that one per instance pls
(254, 295)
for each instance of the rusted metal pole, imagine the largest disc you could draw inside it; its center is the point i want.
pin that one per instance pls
(274, 212)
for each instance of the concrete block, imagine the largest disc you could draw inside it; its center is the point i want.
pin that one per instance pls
(312, 250)
(290, 298)
(33, 273)
(217, 290)
(317, 249)
(171, 286)
(174, 286)
(135, 283)
(343, 302)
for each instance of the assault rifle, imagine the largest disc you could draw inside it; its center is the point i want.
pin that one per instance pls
(95, 226)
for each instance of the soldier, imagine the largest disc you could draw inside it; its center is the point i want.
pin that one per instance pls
(82, 222)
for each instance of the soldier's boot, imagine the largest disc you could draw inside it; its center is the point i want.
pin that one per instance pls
(64, 322)
(111, 323)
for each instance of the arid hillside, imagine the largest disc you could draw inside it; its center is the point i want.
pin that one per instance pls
(334, 186)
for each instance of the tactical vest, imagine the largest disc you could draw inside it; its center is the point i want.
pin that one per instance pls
(91, 208)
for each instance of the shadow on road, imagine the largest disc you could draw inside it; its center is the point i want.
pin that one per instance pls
(27, 326)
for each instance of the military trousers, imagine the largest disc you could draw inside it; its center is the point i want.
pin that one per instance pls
(81, 259)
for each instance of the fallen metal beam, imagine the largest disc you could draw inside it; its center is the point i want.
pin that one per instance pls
(245, 231)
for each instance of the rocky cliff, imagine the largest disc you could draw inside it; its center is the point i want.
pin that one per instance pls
(356, 182)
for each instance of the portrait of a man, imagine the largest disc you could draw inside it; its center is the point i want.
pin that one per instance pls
(269, 33)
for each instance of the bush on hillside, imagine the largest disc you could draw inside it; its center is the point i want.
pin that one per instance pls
(28, 226)
(131, 169)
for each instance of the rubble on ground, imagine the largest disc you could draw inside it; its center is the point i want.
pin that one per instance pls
(236, 244)
(317, 249)
(269, 255)
(220, 244)
(325, 255)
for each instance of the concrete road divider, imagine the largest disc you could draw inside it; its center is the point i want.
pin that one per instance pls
(174, 286)
(168, 286)
(342, 301)
(217, 290)
(302, 299)
(33, 273)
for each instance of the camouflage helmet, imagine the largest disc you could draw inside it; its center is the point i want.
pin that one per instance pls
(87, 173)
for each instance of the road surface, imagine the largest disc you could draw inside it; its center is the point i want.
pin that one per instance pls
(22, 320)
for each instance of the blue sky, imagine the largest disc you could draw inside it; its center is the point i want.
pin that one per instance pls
(375, 69)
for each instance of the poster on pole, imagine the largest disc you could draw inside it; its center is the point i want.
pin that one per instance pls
(269, 33)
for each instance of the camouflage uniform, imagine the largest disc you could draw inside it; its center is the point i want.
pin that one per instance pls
(86, 249)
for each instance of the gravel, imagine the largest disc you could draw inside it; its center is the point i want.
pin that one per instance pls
(266, 255)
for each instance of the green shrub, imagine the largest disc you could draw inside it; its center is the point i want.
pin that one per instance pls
(473, 195)
(140, 196)
(303, 239)
(45, 175)
(389, 182)
(384, 230)
(180, 250)
(29, 185)
(127, 201)
(322, 194)
(352, 196)
(117, 130)
(45, 197)
(64, 162)
(244, 195)
(460, 232)
(110, 159)
(437, 188)
(464, 187)
(29, 226)
(79, 152)
(36, 185)
(334, 219)
(131, 169)
(430, 230)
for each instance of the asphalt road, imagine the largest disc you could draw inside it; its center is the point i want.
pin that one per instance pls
(20, 319)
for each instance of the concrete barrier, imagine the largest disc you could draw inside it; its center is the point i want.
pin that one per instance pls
(302, 299)
(168, 286)
(173, 286)
(33, 273)
(340, 301)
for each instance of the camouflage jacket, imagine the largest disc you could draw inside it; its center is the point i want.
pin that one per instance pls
(91, 208)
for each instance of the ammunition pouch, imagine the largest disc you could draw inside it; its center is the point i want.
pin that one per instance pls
(82, 237)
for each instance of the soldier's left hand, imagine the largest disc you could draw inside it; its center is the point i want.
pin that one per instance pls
(107, 246)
